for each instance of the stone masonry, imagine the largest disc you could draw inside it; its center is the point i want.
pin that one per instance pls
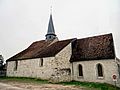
(54, 68)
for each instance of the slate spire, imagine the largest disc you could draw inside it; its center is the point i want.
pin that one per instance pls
(51, 31)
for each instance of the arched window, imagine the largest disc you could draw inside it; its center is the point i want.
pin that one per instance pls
(99, 70)
(80, 70)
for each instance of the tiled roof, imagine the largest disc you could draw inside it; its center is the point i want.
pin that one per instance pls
(41, 49)
(53, 49)
(93, 48)
(31, 50)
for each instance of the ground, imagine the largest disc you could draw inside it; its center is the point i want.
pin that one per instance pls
(13, 85)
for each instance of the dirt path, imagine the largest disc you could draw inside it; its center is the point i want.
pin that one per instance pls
(4, 86)
(31, 86)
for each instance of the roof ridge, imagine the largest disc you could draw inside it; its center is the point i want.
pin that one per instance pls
(95, 36)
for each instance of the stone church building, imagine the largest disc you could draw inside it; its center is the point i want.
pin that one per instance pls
(90, 59)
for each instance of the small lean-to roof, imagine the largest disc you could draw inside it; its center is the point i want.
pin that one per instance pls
(93, 48)
(41, 49)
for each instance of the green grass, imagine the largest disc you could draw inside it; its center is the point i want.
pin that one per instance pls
(24, 79)
(98, 86)
(95, 86)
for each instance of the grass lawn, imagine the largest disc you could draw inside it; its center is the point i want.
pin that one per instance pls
(96, 86)
(24, 79)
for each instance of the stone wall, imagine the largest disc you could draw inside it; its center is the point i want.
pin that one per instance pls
(63, 65)
(30, 68)
(54, 68)
(58, 68)
(90, 71)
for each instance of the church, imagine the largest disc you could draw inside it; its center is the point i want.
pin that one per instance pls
(90, 59)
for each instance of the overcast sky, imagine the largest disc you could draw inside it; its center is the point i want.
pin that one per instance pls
(25, 21)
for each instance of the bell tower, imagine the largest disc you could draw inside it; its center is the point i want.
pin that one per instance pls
(51, 31)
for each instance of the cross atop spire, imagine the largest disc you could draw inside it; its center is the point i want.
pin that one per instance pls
(51, 10)
(51, 32)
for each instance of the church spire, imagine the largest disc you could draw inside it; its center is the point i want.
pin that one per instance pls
(51, 32)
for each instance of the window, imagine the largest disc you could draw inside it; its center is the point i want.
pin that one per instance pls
(49, 37)
(16, 65)
(80, 70)
(119, 70)
(41, 62)
(99, 70)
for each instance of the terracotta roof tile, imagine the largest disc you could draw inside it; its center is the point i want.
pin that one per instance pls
(31, 50)
(53, 49)
(41, 49)
(93, 48)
